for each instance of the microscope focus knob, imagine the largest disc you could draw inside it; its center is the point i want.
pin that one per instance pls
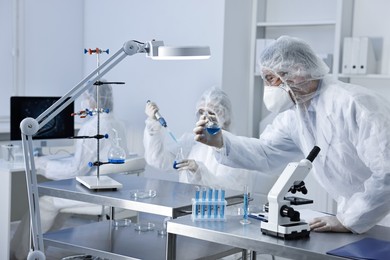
(286, 211)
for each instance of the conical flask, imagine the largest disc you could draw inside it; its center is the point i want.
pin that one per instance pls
(116, 154)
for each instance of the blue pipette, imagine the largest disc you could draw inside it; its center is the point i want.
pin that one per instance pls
(163, 123)
(159, 117)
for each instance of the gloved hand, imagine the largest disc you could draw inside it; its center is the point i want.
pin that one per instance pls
(202, 136)
(327, 224)
(187, 164)
(150, 110)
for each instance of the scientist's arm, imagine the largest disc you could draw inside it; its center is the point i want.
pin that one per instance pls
(272, 151)
(156, 152)
(367, 207)
(192, 169)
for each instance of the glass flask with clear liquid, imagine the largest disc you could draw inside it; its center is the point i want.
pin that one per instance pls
(116, 154)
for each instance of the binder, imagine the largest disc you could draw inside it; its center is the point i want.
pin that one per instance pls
(366, 248)
(355, 49)
(347, 56)
(367, 60)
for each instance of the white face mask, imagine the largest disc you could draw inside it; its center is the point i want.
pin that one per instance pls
(277, 99)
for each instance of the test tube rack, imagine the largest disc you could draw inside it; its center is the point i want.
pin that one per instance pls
(208, 210)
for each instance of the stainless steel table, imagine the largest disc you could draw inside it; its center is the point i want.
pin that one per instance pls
(233, 233)
(173, 199)
(109, 242)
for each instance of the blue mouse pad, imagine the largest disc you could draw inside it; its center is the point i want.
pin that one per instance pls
(366, 248)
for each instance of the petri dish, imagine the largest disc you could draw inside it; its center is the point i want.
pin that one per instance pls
(144, 227)
(121, 222)
(142, 194)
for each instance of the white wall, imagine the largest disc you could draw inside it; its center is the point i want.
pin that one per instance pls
(56, 32)
(6, 56)
(41, 49)
(53, 40)
(174, 85)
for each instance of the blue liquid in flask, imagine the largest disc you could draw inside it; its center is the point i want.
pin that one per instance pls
(175, 165)
(213, 130)
(116, 161)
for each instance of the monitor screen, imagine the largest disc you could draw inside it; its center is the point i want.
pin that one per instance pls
(62, 126)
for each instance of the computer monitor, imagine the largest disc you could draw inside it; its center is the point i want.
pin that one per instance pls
(60, 127)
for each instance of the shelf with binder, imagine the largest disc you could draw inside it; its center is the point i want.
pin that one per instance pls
(296, 23)
(365, 76)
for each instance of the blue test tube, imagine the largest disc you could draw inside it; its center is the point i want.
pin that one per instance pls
(222, 213)
(203, 206)
(245, 206)
(197, 191)
(216, 203)
(209, 198)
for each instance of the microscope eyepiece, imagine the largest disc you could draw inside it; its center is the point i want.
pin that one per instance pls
(313, 153)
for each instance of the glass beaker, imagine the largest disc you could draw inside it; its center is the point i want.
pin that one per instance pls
(116, 154)
(179, 157)
(212, 126)
(245, 207)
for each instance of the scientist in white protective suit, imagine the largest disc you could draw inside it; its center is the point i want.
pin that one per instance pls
(349, 123)
(77, 165)
(198, 165)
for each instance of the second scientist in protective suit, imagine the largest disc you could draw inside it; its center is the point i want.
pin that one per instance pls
(198, 165)
(77, 165)
(349, 123)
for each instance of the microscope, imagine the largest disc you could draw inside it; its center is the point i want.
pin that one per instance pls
(283, 220)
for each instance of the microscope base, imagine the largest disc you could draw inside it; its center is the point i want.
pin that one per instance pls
(289, 231)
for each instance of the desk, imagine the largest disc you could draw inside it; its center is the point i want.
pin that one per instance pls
(7, 170)
(13, 199)
(233, 233)
(173, 199)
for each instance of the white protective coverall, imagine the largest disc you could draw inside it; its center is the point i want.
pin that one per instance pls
(350, 124)
(207, 172)
(77, 165)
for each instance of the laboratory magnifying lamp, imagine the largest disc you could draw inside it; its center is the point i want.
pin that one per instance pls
(30, 126)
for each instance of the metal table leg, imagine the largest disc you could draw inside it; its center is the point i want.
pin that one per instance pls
(171, 246)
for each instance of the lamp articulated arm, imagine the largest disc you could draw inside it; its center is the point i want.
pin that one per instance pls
(30, 126)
